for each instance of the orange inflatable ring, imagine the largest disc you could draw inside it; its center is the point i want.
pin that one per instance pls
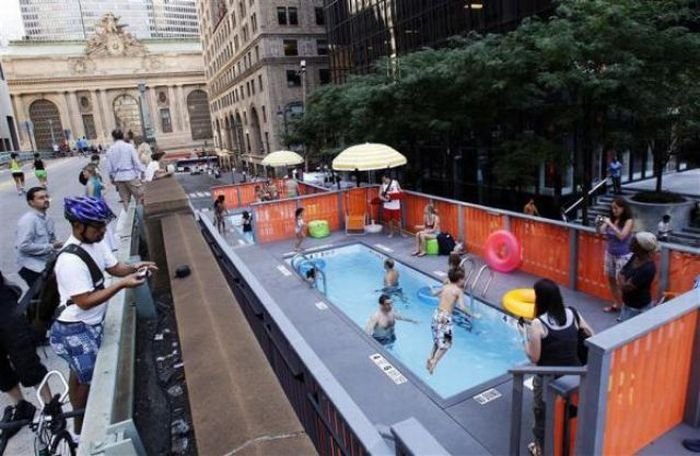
(502, 251)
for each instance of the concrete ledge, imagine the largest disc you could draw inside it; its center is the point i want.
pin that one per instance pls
(235, 398)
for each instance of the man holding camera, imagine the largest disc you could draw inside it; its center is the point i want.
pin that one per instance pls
(76, 335)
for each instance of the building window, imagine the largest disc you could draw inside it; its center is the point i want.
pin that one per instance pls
(293, 79)
(290, 47)
(2, 74)
(247, 87)
(324, 76)
(260, 85)
(267, 141)
(257, 54)
(293, 17)
(165, 122)
(89, 126)
(264, 113)
(322, 47)
(254, 22)
(281, 15)
(320, 18)
(252, 86)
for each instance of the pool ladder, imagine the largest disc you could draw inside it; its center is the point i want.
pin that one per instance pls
(470, 264)
(318, 272)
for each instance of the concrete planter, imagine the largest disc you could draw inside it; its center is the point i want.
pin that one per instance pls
(648, 215)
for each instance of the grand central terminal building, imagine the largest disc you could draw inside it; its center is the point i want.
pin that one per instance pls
(64, 90)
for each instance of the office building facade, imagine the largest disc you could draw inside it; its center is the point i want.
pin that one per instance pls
(8, 127)
(61, 20)
(261, 60)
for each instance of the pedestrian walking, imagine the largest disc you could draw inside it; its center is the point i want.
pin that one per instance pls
(35, 236)
(124, 169)
(40, 171)
(615, 172)
(17, 172)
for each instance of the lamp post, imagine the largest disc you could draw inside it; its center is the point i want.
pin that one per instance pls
(146, 124)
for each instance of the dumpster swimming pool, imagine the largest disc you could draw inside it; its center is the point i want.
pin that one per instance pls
(479, 355)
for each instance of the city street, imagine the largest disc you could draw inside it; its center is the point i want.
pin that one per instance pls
(63, 181)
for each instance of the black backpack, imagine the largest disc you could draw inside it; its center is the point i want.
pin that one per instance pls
(43, 307)
(446, 243)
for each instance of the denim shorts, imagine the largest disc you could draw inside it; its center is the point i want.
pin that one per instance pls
(78, 344)
(628, 312)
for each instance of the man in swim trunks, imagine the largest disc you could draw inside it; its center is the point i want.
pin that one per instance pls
(381, 324)
(391, 280)
(441, 326)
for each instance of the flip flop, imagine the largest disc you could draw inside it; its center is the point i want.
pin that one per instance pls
(611, 309)
(422, 254)
(415, 253)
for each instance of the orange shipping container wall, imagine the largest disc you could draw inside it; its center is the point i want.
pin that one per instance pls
(478, 225)
(683, 269)
(322, 207)
(413, 205)
(648, 386)
(591, 276)
(274, 221)
(230, 195)
(545, 249)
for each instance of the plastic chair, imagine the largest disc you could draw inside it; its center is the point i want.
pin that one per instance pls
(355, 218)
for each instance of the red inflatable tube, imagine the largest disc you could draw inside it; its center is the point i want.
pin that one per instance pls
(502, 251)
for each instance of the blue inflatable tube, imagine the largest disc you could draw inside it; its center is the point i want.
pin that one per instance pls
(304, 266)
(425, 294)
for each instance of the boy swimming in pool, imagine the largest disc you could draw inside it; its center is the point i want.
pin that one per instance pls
(441, 326)
(391, 281)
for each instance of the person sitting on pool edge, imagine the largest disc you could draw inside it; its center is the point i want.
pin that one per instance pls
(391, 280)
(441, 326)
(381, 323)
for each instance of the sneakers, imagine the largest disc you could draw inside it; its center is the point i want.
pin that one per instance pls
(22, 411)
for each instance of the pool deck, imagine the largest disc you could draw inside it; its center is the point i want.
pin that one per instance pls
(461, 425)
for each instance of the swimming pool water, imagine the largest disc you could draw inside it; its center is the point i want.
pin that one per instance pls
(355, 275)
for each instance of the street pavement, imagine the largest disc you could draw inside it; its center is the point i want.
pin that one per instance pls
(63, 181)
(685, 182)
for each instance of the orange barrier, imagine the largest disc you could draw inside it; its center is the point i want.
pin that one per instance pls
(559, 424)
(230, 193)
(683, 269)
(478, 224)
(591, 277)
(306, 189)
(274, 221)
(414, 206)
(322, 207)
(542, 244)
(648, 386)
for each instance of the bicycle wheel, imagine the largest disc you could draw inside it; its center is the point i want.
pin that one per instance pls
(62, 444)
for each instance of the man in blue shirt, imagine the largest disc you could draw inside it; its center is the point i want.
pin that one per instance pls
(615, 172)
(35, 236)
(125, 169)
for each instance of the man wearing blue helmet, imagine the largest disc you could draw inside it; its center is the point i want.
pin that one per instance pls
(76, 334)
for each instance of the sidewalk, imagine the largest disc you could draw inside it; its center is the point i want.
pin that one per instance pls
(684, 182)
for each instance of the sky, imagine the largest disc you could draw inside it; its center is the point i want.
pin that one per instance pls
(10, 21)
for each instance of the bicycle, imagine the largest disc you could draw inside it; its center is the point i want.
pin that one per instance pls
(50, 426)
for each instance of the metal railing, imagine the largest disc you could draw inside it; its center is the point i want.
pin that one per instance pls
(475, 283)
(595, 188)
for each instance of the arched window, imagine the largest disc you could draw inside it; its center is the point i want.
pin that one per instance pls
(48, 129)
(127, 116)
(198, 110)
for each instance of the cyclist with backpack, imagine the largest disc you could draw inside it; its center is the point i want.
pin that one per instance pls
(76, 334)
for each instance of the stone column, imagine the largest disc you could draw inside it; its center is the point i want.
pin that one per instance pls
(155, 111)
(18, 108)
(97, 116)
(108, 116)
(174, 115)
(69, 122)
(184, 116)
(78, 128)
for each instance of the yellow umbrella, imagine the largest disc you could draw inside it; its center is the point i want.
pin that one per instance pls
(282, 158)
(368, 157)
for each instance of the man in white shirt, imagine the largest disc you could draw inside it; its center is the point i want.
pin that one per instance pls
(124, 169)
(153, 170)
(391, 205)
(76, 334)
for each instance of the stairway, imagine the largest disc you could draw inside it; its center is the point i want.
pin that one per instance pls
(689, 235)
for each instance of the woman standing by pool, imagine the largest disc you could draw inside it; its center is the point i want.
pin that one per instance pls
(618, 231)
(299, 228)
(17, 173)
(551, 339)
(428, 230)
(40, 171)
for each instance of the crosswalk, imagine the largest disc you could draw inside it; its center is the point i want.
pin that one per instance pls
(194, 195)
